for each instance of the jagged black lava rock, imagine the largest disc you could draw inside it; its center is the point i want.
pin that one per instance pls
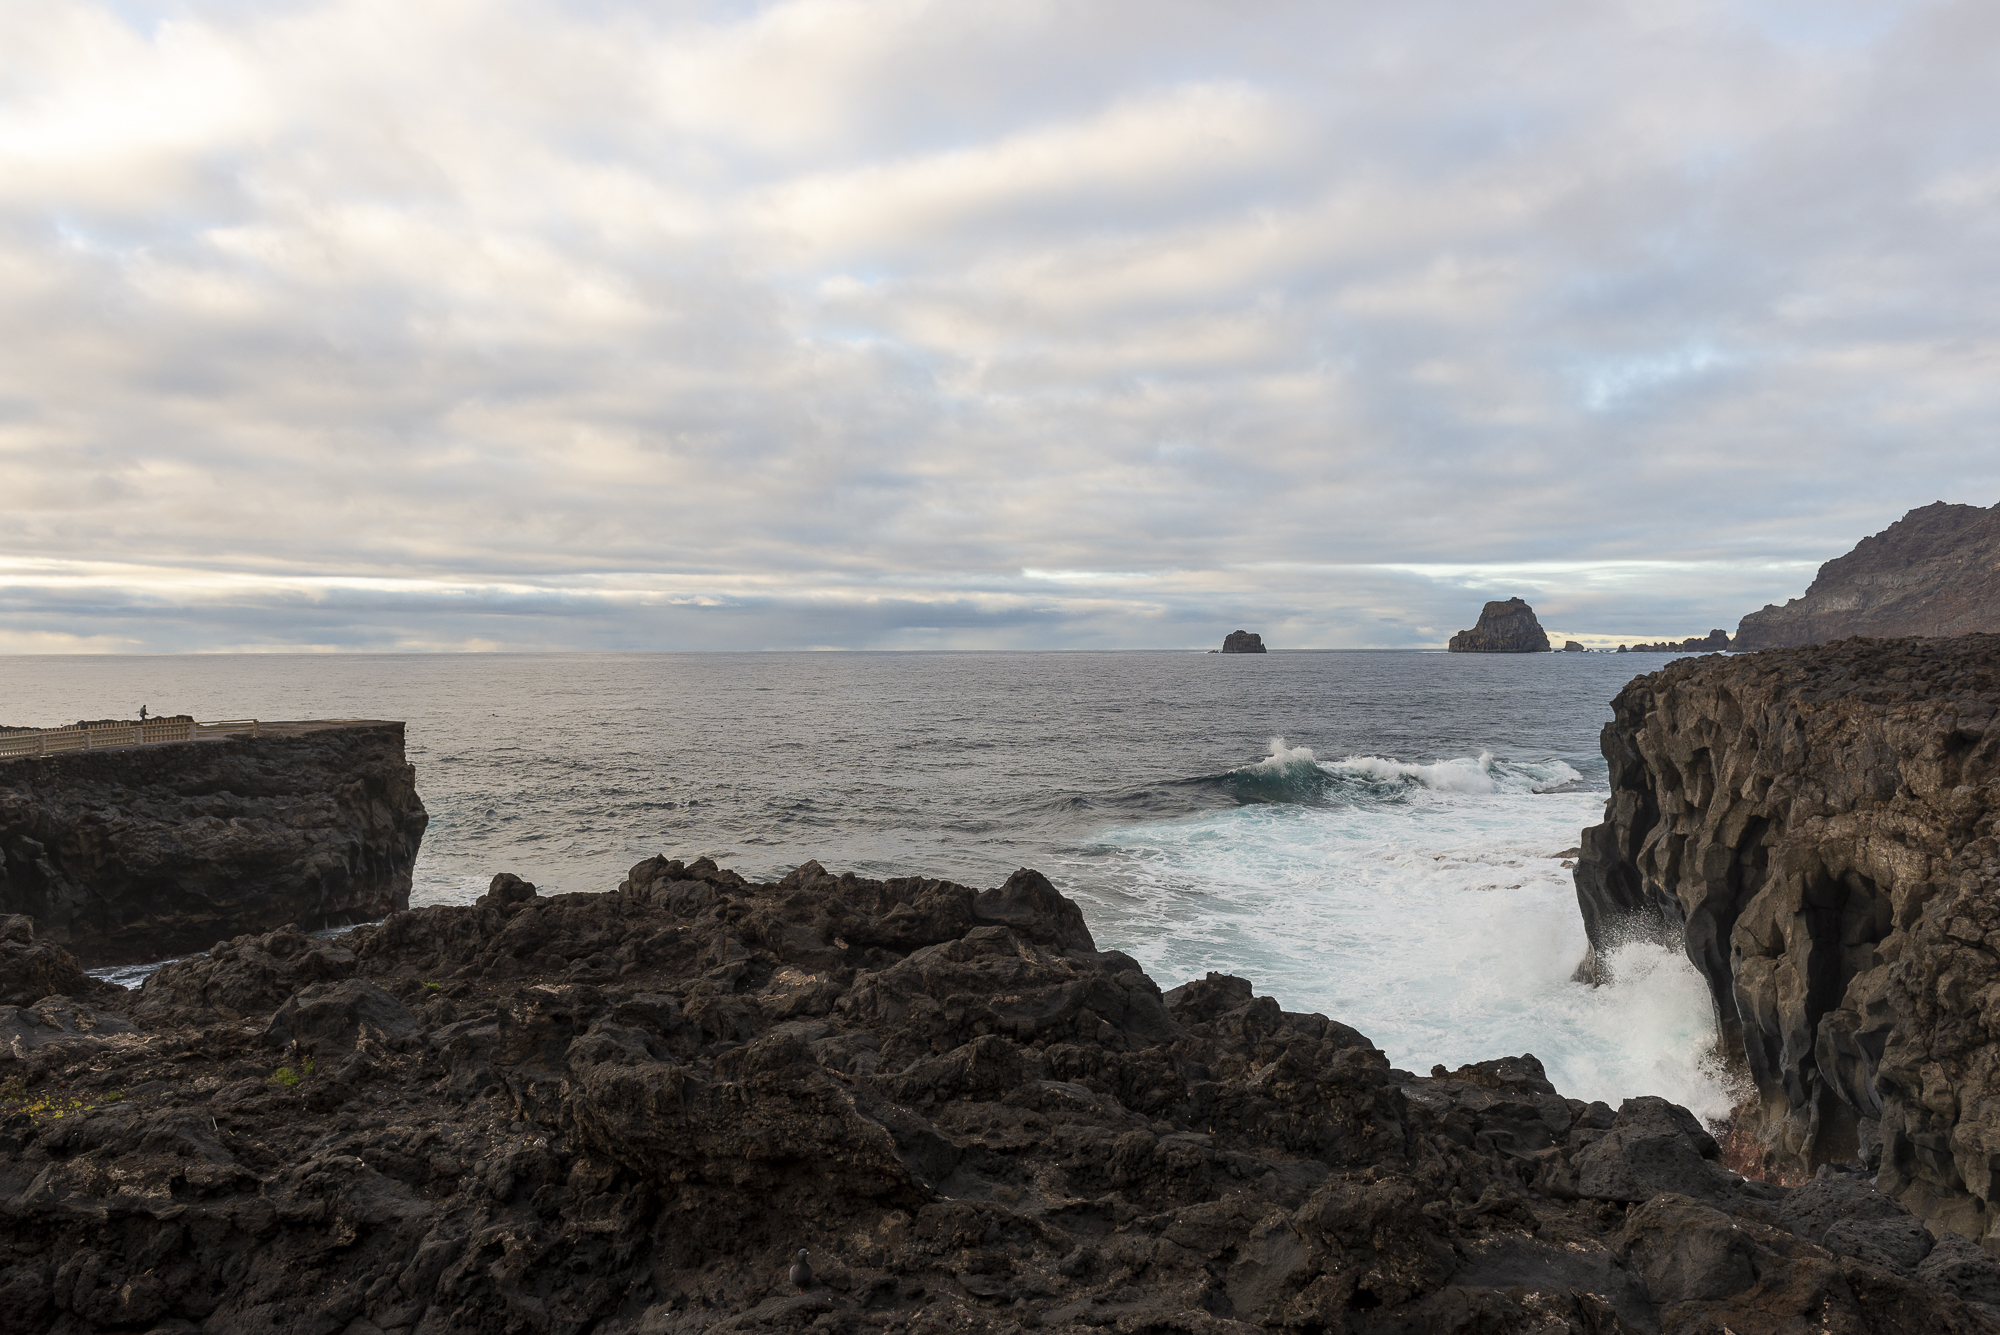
(627, 1113)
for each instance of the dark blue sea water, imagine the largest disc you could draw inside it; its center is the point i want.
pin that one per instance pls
(1371, 835)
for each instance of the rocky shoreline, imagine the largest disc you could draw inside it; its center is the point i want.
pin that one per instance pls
(625, 1112)
(139, 852)
(1819, 829)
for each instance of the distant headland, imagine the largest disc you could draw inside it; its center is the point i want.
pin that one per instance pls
(1935, 571)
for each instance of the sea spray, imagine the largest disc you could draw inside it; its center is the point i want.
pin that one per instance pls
(1422, 903)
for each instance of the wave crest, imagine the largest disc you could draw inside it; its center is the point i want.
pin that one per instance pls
(1476, 775)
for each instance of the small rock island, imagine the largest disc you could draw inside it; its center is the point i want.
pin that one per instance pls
(1504, 628)
(1243, 642)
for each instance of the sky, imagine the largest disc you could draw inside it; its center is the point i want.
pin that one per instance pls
(898, 324)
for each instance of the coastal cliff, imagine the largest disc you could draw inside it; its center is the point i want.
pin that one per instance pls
(1935, 571)
(1817, 827)
(625, 1113)
(1506, 627)
(144, 851)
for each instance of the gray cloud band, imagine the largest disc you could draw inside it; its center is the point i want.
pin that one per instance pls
(838, 317)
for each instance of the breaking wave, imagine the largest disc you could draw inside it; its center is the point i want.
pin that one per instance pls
(1427, 904)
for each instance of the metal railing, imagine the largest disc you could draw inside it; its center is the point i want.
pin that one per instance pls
(96, 736)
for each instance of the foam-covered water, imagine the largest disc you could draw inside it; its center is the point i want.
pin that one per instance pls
(1423, 902)
(1374, 836)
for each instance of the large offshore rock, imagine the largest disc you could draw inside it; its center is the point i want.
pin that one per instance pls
(1504, 628)
(1935, 571)
(140, 852)
(1817, 828)
(1243, 642)
(626, 1113)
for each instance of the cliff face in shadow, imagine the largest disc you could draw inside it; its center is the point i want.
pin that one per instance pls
(140, 852)
(1935, 571)
(626, 1113)
(1817, 827)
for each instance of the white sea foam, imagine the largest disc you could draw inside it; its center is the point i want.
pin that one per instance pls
(1283, 760)
(1435, 919)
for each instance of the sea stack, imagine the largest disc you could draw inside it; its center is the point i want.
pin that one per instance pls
(1504, 628)
(1242, 642)
(1935, 571)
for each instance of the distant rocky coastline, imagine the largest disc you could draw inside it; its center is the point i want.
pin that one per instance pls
(624, 1114)
(140, 852)
(1716, 641)
(1819, 829)
(1935, 571)
(1506, 627)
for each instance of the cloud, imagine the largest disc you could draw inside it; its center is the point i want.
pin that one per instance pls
(529, 325)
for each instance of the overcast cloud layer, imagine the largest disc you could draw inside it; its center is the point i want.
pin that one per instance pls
(883, 323)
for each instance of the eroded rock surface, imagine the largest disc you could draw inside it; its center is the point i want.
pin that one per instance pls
(1817, 827)
(142, 852)
(1935, 571)
(1243, 642)
(628, 1112)
(1506, 627)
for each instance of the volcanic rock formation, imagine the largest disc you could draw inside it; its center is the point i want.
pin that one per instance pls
(145, 851)
(1715, 642)
(1935, 571)
(628, 1112)
(1242, 642)
(1504, 628)
(1818, 828)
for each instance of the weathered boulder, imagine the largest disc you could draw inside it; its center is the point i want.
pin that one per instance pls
(243, 976)
(31, 969)
(329, 1018)
(1935, 571)
(131, 854)
(1242, 642)
(1504, 628)
(1817, 828)
(54, 1020)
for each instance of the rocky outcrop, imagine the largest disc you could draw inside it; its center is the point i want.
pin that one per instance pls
(1817, 827)
(628, 1112)
(1504, 628)
(145, 851)
(1242, 642)
(1935, 571)
(1715, 642)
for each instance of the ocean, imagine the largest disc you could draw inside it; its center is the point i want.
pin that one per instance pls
(1371, 835)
